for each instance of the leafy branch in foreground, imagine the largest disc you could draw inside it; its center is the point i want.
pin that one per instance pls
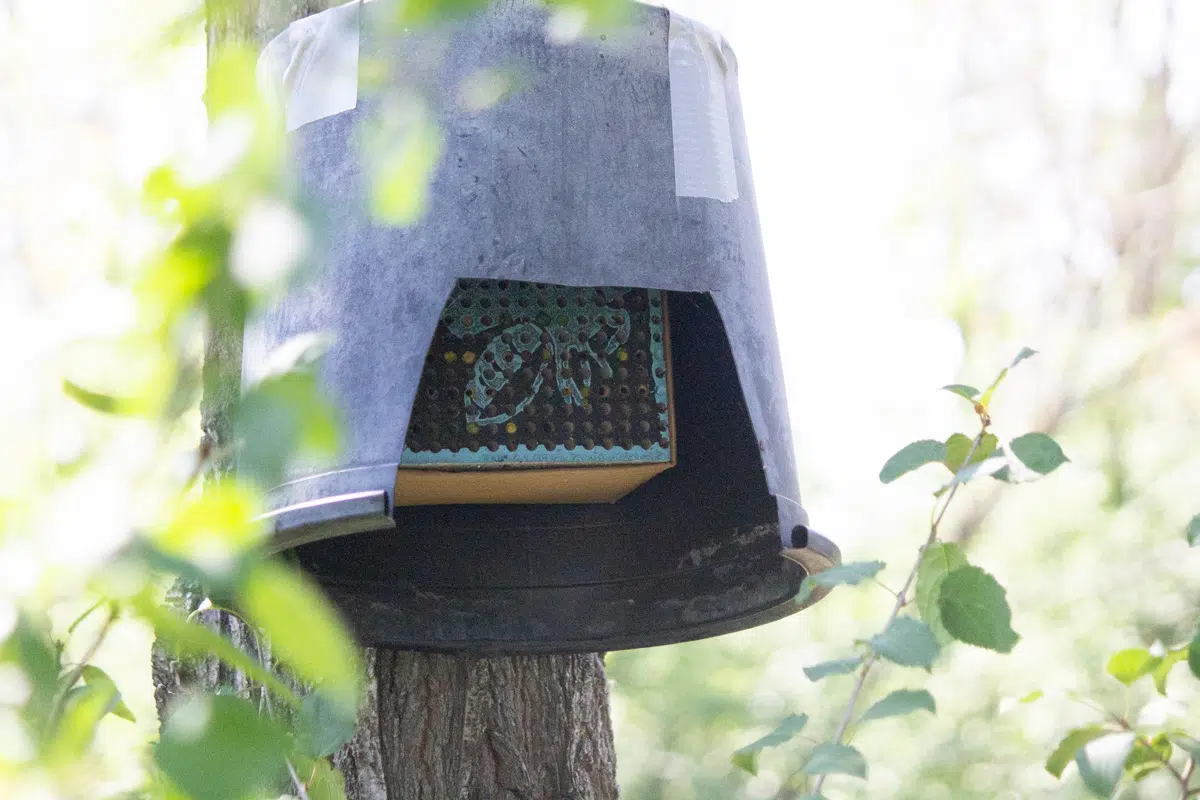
(1129, 747)
(955, 601)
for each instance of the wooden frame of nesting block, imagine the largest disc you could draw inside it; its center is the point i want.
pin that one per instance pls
(540, 393)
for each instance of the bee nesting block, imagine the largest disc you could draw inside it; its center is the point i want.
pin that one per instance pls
(540, 393)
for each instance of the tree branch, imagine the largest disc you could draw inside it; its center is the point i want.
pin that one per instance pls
(939, 511)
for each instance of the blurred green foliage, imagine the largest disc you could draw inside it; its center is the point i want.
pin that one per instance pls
(202, 524)
(1097, 573)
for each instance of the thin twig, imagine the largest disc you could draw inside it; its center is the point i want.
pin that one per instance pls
(1185, 780)
(72, 677)
(885, 587)
(939, 511)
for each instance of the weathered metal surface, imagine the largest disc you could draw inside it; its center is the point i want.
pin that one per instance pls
(569, 181)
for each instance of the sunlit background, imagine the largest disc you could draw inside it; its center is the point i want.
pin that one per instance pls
(940, 182)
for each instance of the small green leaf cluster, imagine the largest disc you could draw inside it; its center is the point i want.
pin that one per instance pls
(1124, 748)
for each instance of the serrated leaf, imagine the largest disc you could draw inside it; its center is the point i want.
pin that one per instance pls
(912, 456)
(939, 560)
(1069, 745)
(303, 628)
(325, 725)
(899, 703)
(835, 759)
(1038, 452)
(1193, 531)
(850, 574)
(962, 390)
(1129, 665)
(907, 642)
(94, 676)
(746, 758)
(974, 610)
(841, 666)
(1101, 762)
(216, 747)
(958, 445)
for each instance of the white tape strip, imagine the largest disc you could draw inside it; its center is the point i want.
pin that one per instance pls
(701, 63)
(311, 67)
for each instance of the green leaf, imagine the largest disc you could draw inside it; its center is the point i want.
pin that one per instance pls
(1129, 665)
(29, 645)
(835, 759)
(1193, 656)
(1038, 452)
(83, 708)
(842, 666)
(424, 12)
(199, 641)
(290, 609)
(94, 676)
(215, 528)
(989, 466)
(747, 757)
(325, 725)
(83, 616)
(899, 703)
(1148, 757)
(1165, 665)
(907, 642)
(216, 747)
(281, 417)
(326, 782)
(1069, 745)
(97, 401)
(958, 445)
(939, 560)
(401, 174)
(974, 610)
(1193, 531)
(912, 456)
(851, 574)
(1185, 742)
(1022, 355)
(1101, 762)
(962, 390)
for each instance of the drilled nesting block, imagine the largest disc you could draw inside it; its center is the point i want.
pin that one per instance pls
(539, 393)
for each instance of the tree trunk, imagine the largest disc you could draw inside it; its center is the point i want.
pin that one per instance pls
(433, 726)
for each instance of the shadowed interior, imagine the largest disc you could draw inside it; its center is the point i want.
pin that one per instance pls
(692, 553)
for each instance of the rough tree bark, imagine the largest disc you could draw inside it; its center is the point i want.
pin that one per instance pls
(433, 727)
